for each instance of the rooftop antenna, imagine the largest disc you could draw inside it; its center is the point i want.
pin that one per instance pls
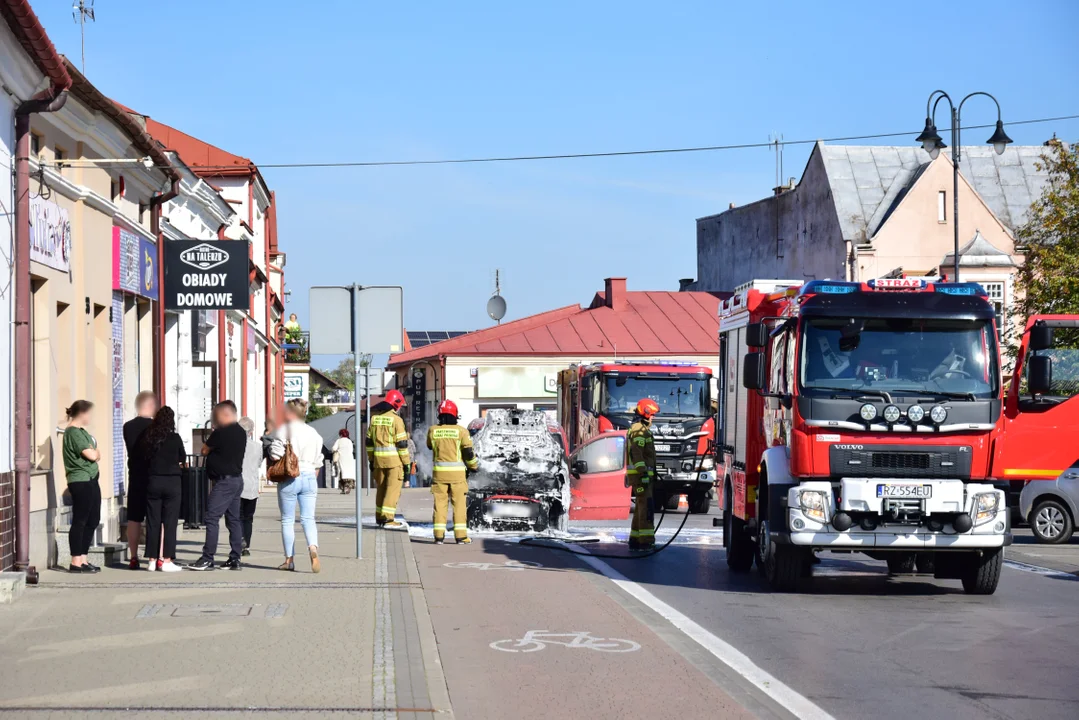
(496, 306)
(79, 13)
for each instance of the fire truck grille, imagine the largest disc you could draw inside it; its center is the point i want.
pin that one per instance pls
(900, 461)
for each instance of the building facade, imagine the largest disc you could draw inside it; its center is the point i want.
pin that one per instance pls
(865, 212)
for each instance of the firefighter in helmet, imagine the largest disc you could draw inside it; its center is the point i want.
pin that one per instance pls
(451, 446)
(387, 456)
(641, 474)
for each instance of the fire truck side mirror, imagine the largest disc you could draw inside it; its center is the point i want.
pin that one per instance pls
(757, 335)
(753, 371)
(1041, 337)
(1039, 374)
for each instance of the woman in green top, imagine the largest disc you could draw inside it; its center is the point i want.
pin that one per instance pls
(80, 463)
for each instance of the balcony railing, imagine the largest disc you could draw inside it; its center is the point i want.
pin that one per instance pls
(297, 346)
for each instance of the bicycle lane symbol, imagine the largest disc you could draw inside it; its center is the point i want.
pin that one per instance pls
(535, 640)
(510, 565)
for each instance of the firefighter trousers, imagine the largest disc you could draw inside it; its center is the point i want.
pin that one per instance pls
(642, 532)
(444, 493)
(388, 492)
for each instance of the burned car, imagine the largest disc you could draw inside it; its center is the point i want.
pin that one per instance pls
(523, 480)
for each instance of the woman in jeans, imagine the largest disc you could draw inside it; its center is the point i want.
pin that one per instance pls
(81, 456)
(164, 454)
(307, 446)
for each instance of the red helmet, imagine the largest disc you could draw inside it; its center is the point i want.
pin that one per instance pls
(647, 408)
(395, 399)
(448, 407)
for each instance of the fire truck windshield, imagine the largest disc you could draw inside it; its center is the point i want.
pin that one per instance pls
(676, 396)
(953, 358)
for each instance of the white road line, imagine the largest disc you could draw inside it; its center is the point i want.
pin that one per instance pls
(1039, 570)
(797, 704)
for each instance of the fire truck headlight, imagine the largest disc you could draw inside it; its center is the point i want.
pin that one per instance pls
(814, 504)
(915, 413)
(938, 414)
(892, 414)
(868, 412)
(708, 463)
(985, 507)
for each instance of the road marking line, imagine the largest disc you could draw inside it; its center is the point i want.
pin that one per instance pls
(787, 697)
(384, 692)
(1039, 570)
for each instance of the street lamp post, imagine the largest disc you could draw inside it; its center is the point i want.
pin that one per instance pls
(933, 144)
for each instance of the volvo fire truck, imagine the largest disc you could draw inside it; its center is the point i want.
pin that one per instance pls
(600, 397)
(869, 417)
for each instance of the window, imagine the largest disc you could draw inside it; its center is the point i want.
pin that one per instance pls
(1065, 376)
(607, 454)
(996, 298)
(942, 206)
(35, 145)
(60, 154)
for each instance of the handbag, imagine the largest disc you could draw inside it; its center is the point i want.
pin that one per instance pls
(287, 467)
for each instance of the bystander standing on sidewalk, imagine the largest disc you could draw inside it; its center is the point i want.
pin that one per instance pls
(250, 496)
(224, 451)
(162, 452)
(80, 465)
(137, 474)
(344, 460)
(307, 445)
(412, 465)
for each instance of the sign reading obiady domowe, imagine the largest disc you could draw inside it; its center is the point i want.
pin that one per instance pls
(202, 275)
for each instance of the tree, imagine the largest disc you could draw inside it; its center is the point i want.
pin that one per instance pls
(314, 411)
(1048, 281)
(345, 372)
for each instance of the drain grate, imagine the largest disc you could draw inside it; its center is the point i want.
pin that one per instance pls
(219, 610)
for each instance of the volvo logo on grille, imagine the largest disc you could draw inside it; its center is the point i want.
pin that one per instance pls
(849, 447)
(204, 256)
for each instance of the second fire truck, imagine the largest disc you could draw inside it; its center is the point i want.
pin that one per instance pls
(869, 417)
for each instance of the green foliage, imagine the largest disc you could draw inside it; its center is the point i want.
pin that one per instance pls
(345, 372)
(1048, 281)
(315, 412)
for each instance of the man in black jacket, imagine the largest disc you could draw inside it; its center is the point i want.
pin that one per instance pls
(224, 451)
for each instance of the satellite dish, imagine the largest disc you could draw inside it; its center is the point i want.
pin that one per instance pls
(496, 307)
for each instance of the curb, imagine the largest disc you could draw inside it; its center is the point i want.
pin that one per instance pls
(432, 663)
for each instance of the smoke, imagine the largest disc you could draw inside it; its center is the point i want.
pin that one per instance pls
(422, 457)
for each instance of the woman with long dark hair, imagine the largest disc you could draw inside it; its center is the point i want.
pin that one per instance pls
(165, 456)
(80, 465)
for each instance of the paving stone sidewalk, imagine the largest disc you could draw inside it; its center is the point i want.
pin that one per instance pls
(355, 639)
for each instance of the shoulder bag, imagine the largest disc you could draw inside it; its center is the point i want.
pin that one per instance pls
(287, 467)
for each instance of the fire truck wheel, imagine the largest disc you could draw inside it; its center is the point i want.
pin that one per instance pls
(738, 543)
(900, 563)
(700, 503)
(982, 571)
(670, 502)
(781, 565)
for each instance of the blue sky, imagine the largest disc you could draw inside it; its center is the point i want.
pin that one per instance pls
(331, 81)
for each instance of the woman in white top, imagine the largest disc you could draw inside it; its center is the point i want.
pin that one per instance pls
(344, 460)
(307, 446)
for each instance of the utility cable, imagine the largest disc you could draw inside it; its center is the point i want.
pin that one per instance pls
(572, 156)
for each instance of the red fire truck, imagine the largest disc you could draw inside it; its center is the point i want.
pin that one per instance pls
(598, 398)
(869, 417)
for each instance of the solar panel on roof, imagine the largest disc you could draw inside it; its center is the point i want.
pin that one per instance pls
(420, 338)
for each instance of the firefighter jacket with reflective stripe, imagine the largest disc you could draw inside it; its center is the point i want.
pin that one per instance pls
(452, 449)
(640, 454)
(387, 441)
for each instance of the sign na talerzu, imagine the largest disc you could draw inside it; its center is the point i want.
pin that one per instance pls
(201, 275)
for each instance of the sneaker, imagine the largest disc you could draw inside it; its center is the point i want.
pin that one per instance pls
(151, 565)
(231, 564)
(133, 564)
(245, 552)
(79, 569)
(464, 541)
(93, 568)
(201, 564)
(170, 567)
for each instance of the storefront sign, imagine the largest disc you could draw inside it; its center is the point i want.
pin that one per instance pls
(296, 385)
(516, 382)
(50, 234)
(207, 275)
(134, 264)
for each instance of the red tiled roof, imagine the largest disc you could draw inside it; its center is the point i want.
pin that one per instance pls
(24, 24)
(648, 323)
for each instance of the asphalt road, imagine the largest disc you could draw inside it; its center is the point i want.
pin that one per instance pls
(854, 642)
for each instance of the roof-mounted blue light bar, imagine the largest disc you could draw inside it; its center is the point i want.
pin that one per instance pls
(963, 288)
(829, 287)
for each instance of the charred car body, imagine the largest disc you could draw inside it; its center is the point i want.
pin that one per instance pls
(523, 479)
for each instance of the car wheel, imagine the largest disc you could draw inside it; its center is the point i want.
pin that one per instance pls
(1051, 522)
(700, 503)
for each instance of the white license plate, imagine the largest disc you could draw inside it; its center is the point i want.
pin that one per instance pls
(513, 510)
(904, 491)
(663, 448)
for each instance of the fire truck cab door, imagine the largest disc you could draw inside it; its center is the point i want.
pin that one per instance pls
(1040, 430)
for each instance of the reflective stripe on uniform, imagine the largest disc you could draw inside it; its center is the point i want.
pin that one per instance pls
(462, 526)
(401, 436)
(389, 510)
(440, 526)
(642, 533)
(449, 465)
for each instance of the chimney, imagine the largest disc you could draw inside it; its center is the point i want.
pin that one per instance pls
(615, 293)
(684, 284)
(731, 206)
